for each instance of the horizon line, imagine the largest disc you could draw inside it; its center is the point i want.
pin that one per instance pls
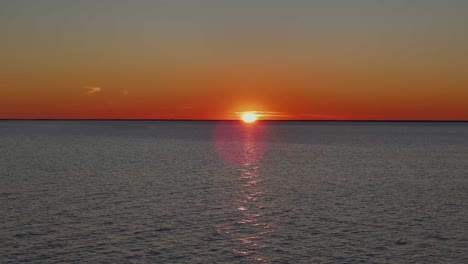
(236, 120)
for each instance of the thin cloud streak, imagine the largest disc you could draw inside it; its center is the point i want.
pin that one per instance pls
(267, 114)
(321, 116)
(286, 116)
(92, 89)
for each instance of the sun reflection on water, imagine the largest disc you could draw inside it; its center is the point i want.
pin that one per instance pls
(250, 227)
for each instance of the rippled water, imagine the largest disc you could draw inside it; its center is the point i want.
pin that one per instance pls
(221, 192)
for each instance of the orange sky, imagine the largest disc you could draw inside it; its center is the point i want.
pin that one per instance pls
(174, 60)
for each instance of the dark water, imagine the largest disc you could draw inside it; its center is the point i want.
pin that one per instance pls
(207, 192)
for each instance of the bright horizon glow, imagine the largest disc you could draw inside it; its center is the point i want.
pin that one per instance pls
(249, 117)
(282, 60)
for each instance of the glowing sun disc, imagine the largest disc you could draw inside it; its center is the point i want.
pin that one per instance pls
(249, 117)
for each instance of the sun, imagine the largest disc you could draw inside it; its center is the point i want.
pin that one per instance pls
(249, 117)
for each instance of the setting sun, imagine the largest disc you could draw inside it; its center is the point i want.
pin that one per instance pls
(249, 117)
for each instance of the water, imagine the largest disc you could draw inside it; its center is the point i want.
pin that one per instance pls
(214, 192)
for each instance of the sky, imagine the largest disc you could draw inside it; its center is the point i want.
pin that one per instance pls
(211, 59)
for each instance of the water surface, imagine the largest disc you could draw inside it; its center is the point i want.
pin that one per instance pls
(221, 192)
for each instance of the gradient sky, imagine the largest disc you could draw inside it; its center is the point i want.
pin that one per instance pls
(208, 59)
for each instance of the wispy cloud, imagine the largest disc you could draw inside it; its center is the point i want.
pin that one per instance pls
(321, 116)
(92, 89)
(268, 114)
(287, 116)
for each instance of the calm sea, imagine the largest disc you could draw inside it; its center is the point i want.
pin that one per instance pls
(223, 192)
